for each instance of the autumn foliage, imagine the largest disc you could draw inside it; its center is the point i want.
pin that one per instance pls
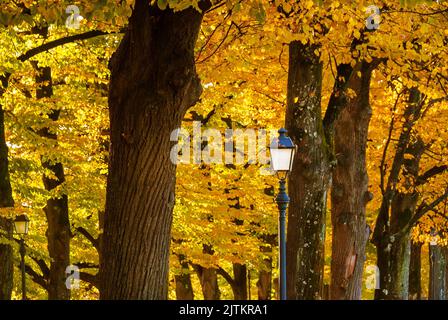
(375, 130)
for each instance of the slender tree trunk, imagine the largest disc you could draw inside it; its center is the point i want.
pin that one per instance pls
(309, 178)
(350, 194)
(56, 209)
(208, 277)
(6, 260)
(393, 260)
(6, 201)
(415, 267)
(184, 289)
(153, 83)
(391, 236)
(437, 273)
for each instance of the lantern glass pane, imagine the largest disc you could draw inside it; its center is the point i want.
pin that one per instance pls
(21, 227)
(281, 159)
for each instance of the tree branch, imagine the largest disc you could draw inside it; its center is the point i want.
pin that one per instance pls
(59, 42)
(89, 278)
(37, 278)
(416, 12)
(411, 115)
(424, 208)
(40, 262)
(86, 265)
(422, 179)
(94, 241)
(386, 147)
(225, 275)
(42, 265)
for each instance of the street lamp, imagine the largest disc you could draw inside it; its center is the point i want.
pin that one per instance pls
(282, 156)
(21, 224)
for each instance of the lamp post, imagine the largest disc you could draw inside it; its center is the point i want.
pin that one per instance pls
(21, 224)
(282, 156)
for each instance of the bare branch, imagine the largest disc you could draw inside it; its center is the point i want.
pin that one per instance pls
(94, 241)
(86, 265)
(421, 179)
(59, 42)
(425, 208)
(386, 147)
(37, 278)
(225, 275)
(89, 278)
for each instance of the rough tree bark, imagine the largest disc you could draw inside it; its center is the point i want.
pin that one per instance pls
(6, 201)
(350, 194)
(153, 83)
(445, 250)
(239, 286)
(208, 277)
(264, 283)
(239, 281)
(56, 209)
(395, 259)
(415, 271)
(309, 178)
(437, 273)
(184, 289)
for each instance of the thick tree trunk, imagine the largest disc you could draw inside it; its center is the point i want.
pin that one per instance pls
(6, 201)
(153, 83)
(437, 273)
(309, 178)
(184, 289)
(350, 194)
(208, 277)
(56, 209)
(415, 269)
(239, 285)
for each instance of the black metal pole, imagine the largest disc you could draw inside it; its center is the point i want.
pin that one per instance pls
(282, 200)
(22, 265)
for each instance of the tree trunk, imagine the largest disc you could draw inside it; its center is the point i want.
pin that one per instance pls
(56, 209)
(394, 254)
(437, 273)
(6, 260)
(415, 268)
(184, 289)
(264, 283)
(6, 201)
(153, 83)
(350, 194)
(208, 278)
(239, 281)
(239, 285)
(392, 227)
(309, 178)
(445, 249)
